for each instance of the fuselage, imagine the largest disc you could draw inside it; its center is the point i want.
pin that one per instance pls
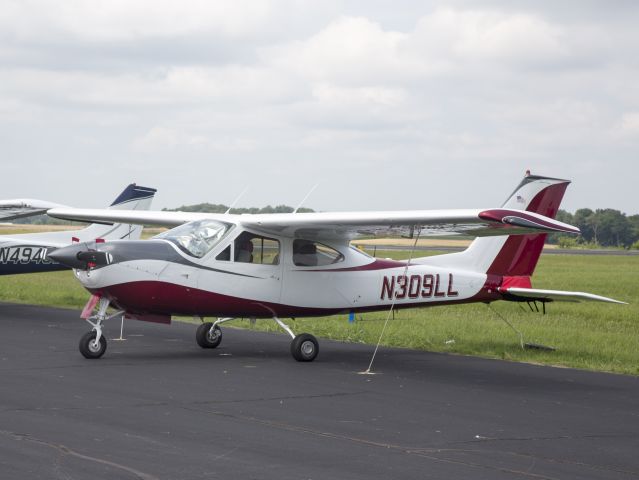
(27, 253)
(159, 277)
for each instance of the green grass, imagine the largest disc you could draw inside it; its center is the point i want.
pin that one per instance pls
(55, 289)
(591, 336)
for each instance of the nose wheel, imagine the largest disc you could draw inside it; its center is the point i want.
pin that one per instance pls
(92, 347)
(93, 344)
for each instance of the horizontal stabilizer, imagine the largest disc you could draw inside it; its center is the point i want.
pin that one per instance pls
(555, 295)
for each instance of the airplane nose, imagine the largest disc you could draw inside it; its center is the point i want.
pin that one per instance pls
(82, 256)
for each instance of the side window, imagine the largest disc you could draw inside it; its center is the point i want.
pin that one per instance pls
(224, 255)
(251, 248)
(311, 254)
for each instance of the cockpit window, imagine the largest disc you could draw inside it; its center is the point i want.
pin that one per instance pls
(197, 238)
(311, 254)
(252, 248)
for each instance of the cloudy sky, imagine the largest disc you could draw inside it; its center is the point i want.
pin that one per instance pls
(385, 105)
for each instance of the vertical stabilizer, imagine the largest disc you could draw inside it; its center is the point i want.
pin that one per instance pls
(519, 254)
(514, 255)
(133, 197)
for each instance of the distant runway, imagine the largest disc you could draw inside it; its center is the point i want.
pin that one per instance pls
(156, 406)
(550, 251)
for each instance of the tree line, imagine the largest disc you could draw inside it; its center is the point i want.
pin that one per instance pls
(219, 208)
(603, 227)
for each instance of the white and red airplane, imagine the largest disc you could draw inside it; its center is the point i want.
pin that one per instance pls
(302, 264)
(26, 252)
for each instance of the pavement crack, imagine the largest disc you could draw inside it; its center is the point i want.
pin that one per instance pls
(63, 449)
(424, 453)
(178, 403)
(540, 438)
(607, 468)
(282, 397)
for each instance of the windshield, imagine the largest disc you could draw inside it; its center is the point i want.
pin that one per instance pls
(197, 238)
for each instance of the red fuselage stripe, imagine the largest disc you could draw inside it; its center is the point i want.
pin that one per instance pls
(163, 298)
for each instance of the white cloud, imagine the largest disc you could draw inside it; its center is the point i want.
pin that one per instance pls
(348, 49)
(175, 86)
(628, 126)
(118, 20)
(489, 35)
(346, 96)
(431, 91)
(160, 138)
(356, 50)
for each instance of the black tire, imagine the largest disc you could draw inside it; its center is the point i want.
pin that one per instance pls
(88, 350)
(206, 338)
(304, 347)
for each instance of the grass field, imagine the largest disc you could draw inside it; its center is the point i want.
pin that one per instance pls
(15, 229)
(591, 336)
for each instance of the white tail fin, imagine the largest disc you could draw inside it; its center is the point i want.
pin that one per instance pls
(132, 198)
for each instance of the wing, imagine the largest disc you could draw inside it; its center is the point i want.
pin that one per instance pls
(24, 207)
(555, 295)
(350, 225)
(347, 225)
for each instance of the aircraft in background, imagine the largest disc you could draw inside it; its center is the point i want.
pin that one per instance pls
(26, 253)
(301, 264)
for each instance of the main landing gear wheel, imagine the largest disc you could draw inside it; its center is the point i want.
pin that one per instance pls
(304, 347)
(89, 348)
(208, 337)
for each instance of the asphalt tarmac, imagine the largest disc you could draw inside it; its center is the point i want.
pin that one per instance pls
(156, 406)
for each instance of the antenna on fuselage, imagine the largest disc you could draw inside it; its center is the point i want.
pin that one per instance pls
(236, 200)
(305, 198)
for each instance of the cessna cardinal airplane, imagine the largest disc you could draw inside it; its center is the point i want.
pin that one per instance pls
(26, 253)
(293, 265)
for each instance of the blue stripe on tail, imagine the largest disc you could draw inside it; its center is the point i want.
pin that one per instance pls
(134, 192)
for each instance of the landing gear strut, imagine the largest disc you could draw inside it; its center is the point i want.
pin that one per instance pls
(304, 347)
(93, 344)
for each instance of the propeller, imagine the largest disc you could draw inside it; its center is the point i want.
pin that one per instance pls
(81, 256)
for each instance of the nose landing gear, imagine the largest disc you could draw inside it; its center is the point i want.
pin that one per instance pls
(93, 344)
